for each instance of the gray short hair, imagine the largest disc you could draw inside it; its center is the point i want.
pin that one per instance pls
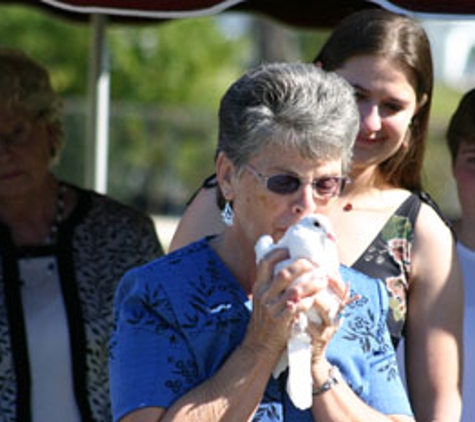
(292, 105)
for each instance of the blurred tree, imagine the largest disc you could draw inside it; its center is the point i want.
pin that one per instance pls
(188, 61)
(62, 46)
(310, 43)
(175, 73)
(166, 81)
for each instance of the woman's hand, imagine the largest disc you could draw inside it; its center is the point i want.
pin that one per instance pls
(277, 300)
(276, 304)
(322, 332)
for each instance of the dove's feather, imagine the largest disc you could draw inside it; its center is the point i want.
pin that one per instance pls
(299, 385)
(310, 238)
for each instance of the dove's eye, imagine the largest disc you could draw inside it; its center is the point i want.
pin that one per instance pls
(317, 224)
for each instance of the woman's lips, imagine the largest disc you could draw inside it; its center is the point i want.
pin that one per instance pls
(364, 140)
(10, 175)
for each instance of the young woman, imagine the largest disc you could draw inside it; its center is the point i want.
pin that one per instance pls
(385, 226)
(63, 250)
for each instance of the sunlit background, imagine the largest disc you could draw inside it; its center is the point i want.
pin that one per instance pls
(167, 79)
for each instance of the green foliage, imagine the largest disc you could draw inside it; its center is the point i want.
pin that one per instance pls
(61, 46)
(162, 168)
(181, 62)
(445, 101)
(175, 73)
(166, 82)
(438, 179)
(310, 43)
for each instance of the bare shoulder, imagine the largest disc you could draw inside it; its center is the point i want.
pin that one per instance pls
(434, 254)
(201, 218)
(430, 225)
(205, 199)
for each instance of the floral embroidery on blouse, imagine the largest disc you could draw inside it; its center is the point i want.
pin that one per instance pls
(180, 317)
(389, 258)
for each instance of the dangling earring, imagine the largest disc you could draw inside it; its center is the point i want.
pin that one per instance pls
(227, 214)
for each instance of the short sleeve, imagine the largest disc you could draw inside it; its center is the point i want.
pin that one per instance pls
(372, 372)
(387, 393)
(150, 362)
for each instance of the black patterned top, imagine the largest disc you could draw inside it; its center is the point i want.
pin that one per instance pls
(96, 244)
(388, 258)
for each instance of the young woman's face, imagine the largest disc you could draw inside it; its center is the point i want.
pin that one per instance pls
(464, 173)
(387, 102)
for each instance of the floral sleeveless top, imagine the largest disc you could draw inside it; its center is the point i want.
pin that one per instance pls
(388, 258)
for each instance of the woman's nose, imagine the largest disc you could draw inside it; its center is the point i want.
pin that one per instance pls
(370, 118)
(305, 200)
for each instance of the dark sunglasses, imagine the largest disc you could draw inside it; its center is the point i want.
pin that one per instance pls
(286, 184)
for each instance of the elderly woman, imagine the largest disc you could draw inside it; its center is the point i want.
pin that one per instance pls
(199, 331)
(63, 250)
(388, 228)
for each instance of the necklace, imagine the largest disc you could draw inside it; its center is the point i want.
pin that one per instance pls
(348, 207)
(52, 237)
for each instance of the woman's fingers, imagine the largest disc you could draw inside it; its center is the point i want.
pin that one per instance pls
(271, 317)
(321, 335)
(272, 285)
(265, 268)
(275, 306)
(299, 287)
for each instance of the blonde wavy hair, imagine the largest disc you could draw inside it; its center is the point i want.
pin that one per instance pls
(26, 84)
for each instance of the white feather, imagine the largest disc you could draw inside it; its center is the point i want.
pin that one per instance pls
(311, 238)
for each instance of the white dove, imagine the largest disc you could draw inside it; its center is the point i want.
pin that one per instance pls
(311, 238)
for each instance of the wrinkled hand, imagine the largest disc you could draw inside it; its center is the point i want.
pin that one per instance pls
(323, 333)
(276, 303)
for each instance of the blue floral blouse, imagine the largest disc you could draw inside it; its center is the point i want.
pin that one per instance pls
(178, 318)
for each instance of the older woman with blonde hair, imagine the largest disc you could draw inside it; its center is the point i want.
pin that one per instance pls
(62, 251)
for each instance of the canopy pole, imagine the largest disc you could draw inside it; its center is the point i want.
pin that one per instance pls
(97, 145)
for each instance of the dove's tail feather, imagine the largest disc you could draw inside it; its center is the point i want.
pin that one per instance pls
(281, 365)
(299, 382)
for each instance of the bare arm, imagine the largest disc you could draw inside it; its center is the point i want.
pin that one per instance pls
(202, 217)
(434, 341)
(340, 403)
(236, 390)
(232, 394)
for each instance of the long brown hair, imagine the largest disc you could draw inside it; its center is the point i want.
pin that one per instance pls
(402, 39)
